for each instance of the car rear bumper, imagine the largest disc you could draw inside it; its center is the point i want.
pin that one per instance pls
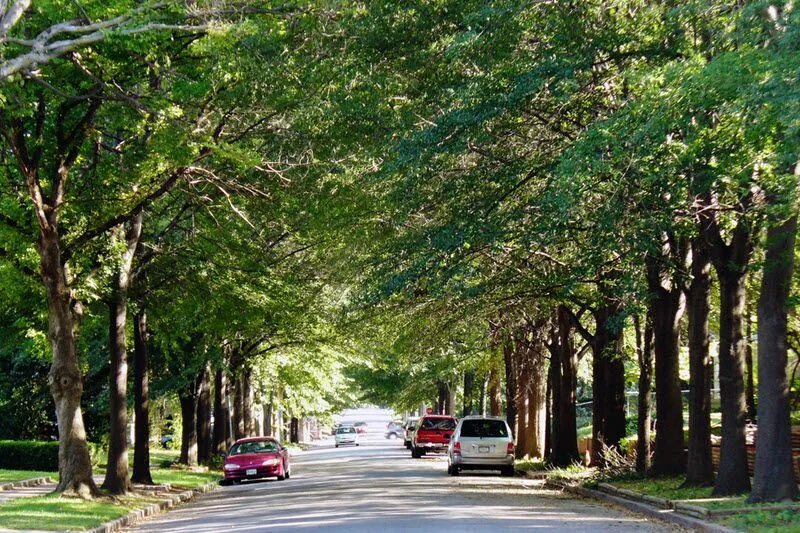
(481, 462)
(431, 446)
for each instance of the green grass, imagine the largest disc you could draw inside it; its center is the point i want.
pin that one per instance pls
(184, 479)
(765, 521)
(529, 465)
(72, 514)
(7, 476)
(573, 473)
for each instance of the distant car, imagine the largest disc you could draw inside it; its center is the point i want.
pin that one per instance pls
(432, 434)
(361, 427)
(256, 458)
(409, 427)
(166, 441)
(394, 430)
(481, 443)
(346, 435)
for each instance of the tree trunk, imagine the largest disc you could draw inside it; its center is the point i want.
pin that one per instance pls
(666, 309)
(548, 417)
(599, 393)
(116, 480)
(204, 416)
(644, 353)
(238, 405)
(511, 387)
(65, 377)
(141, 401)
(537, 407)
(699, 468)
(219, 441)
(565, 451)
(294, 430)
(188, 399)
(750, 396)
(774, 475)
(522, 373)
(247, 403)
(730, 262)
(469, 386)
(733, 477)
(615, 423)
(495, 394)
(441, 399)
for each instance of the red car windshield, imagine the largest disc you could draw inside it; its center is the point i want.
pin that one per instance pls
(259, 446)
(438, 423)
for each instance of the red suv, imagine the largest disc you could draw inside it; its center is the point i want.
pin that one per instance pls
(432, 434)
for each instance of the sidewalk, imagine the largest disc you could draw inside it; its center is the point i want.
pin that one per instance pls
(27, 488)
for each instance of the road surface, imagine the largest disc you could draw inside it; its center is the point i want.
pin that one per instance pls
(378, 487)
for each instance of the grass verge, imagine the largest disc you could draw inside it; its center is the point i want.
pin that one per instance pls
(54, 513)
(765, 521)
(8, 476)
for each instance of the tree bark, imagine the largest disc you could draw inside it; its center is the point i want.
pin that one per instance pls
(730, 262)
(666, 310)
(522, 375)
(750, 393)
(238, 405)
(116, 480)
(733, 477)
(469, 386)
(644, 353)
(248, 420)
(495, 394)
(141, 401)
(699, 468)
(774, 472)
(537, 406)
(219, 440)
(565, 433)
(511, 384)
(204, 416)
(188, 400)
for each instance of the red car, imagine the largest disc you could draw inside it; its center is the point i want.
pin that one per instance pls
(432, 434)
(256, 458)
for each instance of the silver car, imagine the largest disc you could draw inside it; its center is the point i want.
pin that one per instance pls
(481, 443)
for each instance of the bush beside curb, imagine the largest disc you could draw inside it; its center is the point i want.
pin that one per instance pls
(153, 509)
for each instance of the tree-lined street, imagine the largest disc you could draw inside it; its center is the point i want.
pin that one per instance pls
(378, 487)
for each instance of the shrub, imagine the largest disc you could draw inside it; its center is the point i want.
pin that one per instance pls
(39, 455)
(29, 455)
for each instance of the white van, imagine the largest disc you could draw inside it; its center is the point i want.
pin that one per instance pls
(481, 443)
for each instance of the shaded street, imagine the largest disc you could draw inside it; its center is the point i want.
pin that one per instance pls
(378, 487)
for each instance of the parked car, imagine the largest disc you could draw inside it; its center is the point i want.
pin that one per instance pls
(361, 427)
(432, 434)
(346, 435)
(256, 458)
(394, 430)
(481, 443)
(409, 426)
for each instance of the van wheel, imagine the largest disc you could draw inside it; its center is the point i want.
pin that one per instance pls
(336, 445)
(452, 470)
(415, 454)
(507, 471)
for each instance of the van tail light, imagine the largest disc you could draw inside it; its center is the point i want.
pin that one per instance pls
(457, 448)
(510, 448)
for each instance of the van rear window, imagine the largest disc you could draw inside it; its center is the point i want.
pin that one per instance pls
(484, 428)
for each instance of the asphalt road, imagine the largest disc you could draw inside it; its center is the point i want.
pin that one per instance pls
(378, 487)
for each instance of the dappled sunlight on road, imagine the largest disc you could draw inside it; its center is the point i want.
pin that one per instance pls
(379, 487)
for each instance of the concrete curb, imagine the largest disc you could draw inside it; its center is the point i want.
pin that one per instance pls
(154, 509)
(26, 483)
(648, 510)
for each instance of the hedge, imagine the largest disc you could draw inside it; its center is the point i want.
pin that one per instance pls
(37, 455)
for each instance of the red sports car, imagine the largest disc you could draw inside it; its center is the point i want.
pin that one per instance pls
(256, 458)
